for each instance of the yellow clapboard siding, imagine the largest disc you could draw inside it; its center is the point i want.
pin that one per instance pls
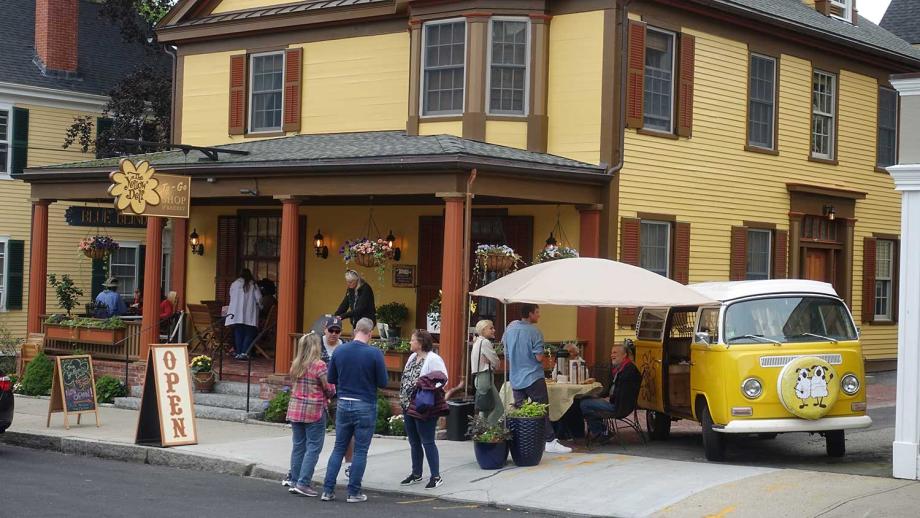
(441, 128)
(507, 133)
(712, 183)
(238, 5)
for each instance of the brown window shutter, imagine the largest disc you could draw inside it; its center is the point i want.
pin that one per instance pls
(780, 253)
(685, 85)
(293, 64)
(868, 305)
(635, 74)
(629, 254)
(737, 264)
(237, 119)
(823, 7)
(228, 228)
(682, 253)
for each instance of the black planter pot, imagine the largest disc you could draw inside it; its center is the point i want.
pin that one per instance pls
(527, 442)
(491, 455)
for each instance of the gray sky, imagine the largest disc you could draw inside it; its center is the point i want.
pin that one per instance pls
(872, 9)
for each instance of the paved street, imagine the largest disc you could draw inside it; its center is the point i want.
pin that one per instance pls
(50, 484)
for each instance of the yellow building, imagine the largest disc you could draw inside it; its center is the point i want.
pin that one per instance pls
(704, 140)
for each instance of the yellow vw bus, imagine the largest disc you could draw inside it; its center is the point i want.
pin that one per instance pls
(771, 357)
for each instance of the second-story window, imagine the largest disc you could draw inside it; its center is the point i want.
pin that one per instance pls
(444, 49)
(655, 247)
(761, 104)
(886, 154)
(823, 114)
(658, 103)
(508, 67)
(267, 81)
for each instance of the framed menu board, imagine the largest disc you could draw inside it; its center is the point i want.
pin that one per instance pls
(73, 390)
(403, 275)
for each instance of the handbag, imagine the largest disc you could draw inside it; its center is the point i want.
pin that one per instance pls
(484, 400)
(424, 400)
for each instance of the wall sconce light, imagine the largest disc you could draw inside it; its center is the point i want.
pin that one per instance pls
(195, 243)
(830, 212)
(550, 241)
(319, 245)
(391, 241)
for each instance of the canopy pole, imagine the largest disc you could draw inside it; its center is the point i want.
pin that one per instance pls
(465, 287)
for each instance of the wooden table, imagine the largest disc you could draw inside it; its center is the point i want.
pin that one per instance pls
(561, 396)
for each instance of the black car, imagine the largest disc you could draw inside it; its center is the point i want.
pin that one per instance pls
(6, 402)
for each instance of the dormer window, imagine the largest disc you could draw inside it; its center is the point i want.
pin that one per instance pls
(841, 9)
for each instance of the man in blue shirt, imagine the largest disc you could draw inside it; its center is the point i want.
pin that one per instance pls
(357, 370)
(114, 305)
(524, 350)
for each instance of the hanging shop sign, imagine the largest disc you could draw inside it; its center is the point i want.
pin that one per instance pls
(139, 189)
(167, 416)
(105, 217)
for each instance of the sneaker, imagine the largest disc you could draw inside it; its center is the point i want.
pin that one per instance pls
(555, 447)
(354, 499)
(434, 482)
(348, 471)
(243, 356)
(287, 481)
(411, 479)
(304, 491)
(327, 497)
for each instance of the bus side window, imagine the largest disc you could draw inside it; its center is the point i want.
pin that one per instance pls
(709, 323)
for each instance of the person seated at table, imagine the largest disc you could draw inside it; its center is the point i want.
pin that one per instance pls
(114, 305)
(167, 305)
(624, 391)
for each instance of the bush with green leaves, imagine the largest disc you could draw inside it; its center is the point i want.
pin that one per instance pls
(276, 411)
(37, 379)
(393, 313)
(397, 425)
(108, 388)
(66, 290)
(383, 415)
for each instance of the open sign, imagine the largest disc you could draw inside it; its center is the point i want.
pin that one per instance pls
(167, 416)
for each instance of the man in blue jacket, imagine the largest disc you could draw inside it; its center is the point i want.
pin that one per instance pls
(357, 370)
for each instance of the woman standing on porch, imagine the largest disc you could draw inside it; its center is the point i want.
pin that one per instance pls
(243, 313)
(359, 300)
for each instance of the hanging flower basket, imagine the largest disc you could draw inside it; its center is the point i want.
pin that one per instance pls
(368, 253)
(496, 258)
(98, 247)
(553, 252)
(498, 263)
(366, 260)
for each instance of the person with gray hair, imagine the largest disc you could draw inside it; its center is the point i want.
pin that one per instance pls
(483, 362)
(356, 410)
(358, 302)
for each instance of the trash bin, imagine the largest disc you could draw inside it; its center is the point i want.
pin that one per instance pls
(458, 419)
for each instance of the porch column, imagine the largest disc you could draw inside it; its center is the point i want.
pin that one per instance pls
(287, 284)
(906, 176)
(38, 265)
(179, 260)
(150, 323)
(452, 346)
(589, 242)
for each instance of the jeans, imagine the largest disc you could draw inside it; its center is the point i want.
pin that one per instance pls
(352, 419)
(420, 433)
(595, 411)
(538, 394)
(243, 336)
(484, 385)
(308, 442)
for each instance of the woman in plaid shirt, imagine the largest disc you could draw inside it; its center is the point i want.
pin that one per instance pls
(307, 411)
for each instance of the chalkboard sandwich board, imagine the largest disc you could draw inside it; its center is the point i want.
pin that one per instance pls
(73, 390)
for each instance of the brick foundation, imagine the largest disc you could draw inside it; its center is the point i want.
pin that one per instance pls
(136, 371)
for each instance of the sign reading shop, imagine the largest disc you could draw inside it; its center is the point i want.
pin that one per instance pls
(139, 189)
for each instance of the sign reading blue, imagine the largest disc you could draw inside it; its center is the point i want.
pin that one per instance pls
(102, 217)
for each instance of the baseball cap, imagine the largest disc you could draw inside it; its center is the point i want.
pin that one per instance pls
(332, 322)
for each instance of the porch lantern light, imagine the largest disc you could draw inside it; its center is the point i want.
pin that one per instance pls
(830, 212)
(391, 241)
(319, 245)
(195, 243)
(551, 240)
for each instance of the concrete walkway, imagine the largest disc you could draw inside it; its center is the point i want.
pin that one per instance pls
(595, 484)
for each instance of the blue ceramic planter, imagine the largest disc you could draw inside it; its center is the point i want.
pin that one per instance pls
(491, 455)
(527, 443)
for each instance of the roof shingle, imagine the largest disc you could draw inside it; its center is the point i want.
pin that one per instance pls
(903, 19)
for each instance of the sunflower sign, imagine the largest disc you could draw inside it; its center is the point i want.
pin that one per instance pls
(139, 189)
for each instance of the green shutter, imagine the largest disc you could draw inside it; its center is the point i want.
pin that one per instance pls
(20, 147)
(100, 273)
(15, 250)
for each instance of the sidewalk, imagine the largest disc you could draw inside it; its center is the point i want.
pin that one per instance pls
(594, 484)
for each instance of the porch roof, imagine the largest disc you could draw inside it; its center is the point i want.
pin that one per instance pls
(363, 151)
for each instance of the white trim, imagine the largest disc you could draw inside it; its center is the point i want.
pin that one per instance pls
(53, 98)
(832, 115)
(421, 97)
(249, 106)
(795, 425)
(847, 6)
(906, 176)
(907, 87)
(5, 174)
(674, 51)
(6, 270)
(527, 59)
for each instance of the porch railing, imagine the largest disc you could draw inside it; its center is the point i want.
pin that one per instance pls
(132, 343)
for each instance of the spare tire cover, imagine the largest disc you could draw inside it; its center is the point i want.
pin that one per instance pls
(808, 387)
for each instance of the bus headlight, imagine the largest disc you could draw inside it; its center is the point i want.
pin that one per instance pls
(752, 388)
(849, 384)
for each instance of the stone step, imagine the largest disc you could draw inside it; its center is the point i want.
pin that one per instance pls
(221, 387)
(201, 411)
(231, 401)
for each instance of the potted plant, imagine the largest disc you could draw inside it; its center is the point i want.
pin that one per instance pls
(368, 253)
(433, 319)
(104, 331)
(495, 258)
(395, 355)
(202, 373)
(527, 431)
(98, 247)
(490, 442)
(553, 252)
(393, 315)
(66, 291)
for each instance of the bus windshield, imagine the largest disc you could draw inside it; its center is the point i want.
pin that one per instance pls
(788, 319)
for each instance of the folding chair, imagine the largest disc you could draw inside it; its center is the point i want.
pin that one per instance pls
(614, 423)
(266, 332)
(203, 334)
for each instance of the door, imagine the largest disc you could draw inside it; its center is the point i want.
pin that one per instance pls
(817, 264)
(649, 351)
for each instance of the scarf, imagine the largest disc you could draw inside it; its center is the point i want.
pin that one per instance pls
(615, 371)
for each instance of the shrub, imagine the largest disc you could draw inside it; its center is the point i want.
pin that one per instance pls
(276, 411)
(66, 291)
(108, 388)
(481, 431)
(397, 425)
(37, 379)
(383, 415)
(393, 313)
